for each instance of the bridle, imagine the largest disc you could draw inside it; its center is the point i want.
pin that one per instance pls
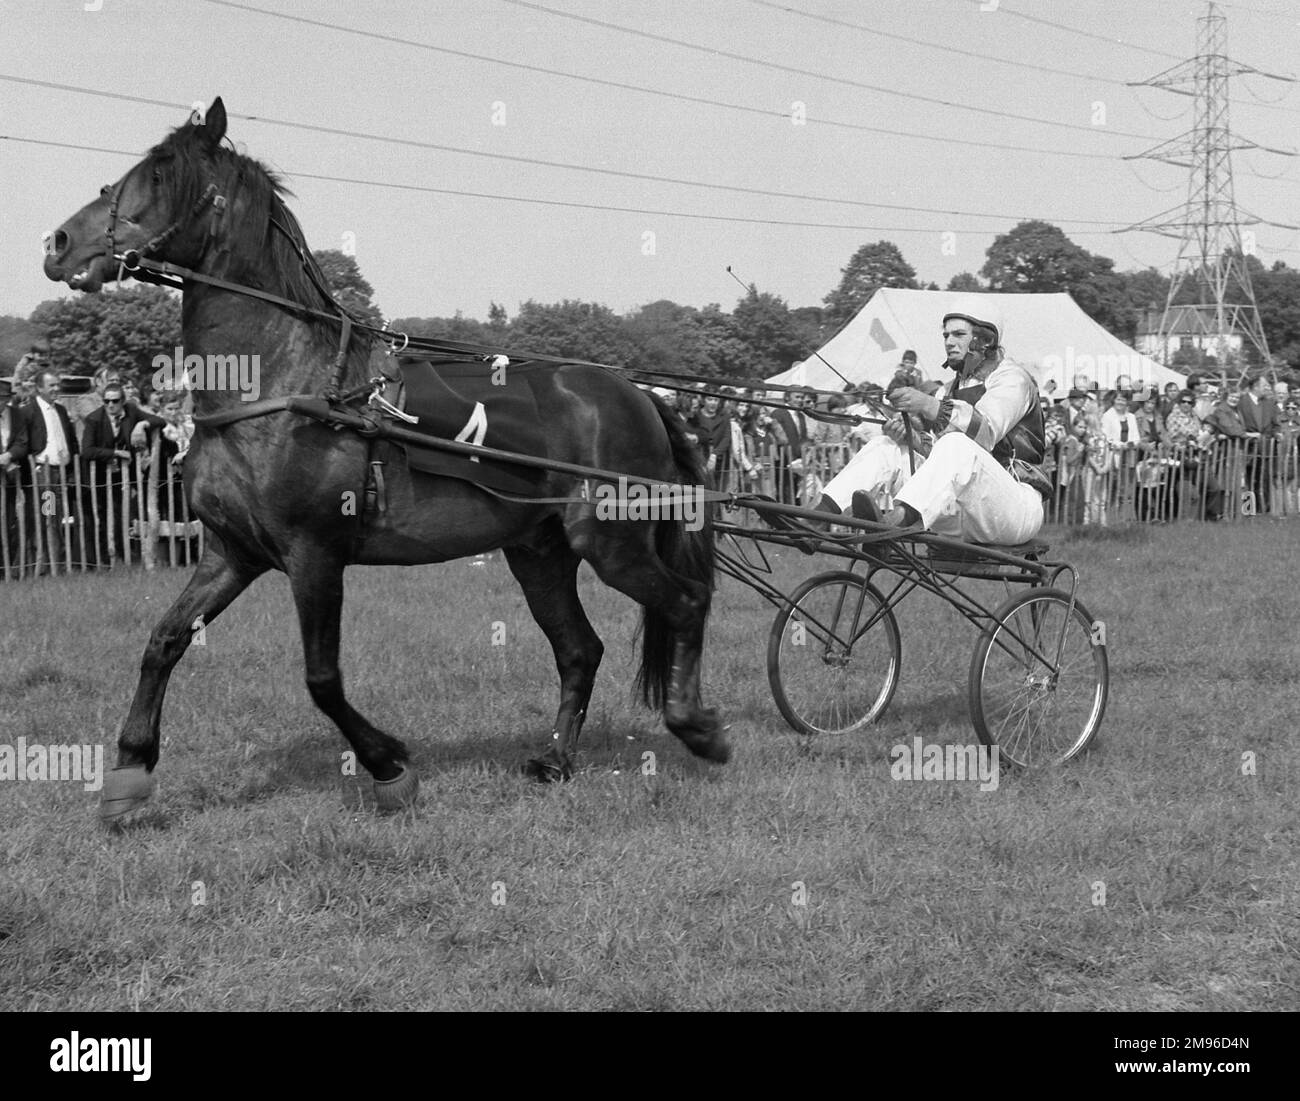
(129, 261)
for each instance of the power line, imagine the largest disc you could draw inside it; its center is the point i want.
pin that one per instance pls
(1290, 17)
(1003, 10)
(981, 57)
(539, 162)
(745, 108)
(985, 57)
(880, 89)
(681, 96)
(1131, 46)
(428, 189)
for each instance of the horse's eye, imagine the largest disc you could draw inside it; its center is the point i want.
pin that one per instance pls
(157, 176)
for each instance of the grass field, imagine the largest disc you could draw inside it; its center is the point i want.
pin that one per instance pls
(800, 876)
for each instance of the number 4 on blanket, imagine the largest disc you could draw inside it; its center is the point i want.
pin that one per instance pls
(475, 429)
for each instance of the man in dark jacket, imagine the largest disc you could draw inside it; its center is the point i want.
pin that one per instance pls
(13, 442)
(1259, 415)
(795, 429)
(107, 443)
(52, 445)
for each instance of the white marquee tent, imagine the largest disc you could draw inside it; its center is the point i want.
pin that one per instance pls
(1047, 333)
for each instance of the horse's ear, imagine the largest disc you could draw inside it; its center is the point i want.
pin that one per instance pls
(214, 125)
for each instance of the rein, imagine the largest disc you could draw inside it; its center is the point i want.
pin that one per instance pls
(140, 264)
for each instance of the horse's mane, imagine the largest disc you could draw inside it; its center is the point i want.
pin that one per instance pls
(263, 191)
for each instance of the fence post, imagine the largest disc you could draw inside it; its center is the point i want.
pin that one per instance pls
(149, 526)
(79, 495)
(123, 469)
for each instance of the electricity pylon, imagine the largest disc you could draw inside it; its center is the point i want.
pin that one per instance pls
(1212, 249)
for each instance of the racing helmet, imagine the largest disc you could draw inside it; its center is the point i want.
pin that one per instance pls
(981, 313)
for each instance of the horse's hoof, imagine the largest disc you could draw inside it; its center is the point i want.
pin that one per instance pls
(398, 793)
(125, 790)
(704, 735)
(714, 748)
(548, 771)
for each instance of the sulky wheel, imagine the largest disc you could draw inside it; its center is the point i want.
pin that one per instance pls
(834, 655)
(1039, 679)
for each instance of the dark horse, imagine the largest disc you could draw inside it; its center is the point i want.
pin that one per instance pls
(269, 488)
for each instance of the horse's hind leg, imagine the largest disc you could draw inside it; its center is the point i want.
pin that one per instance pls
(549, 580)
(216, 582)
(676, 609)
(316, 579)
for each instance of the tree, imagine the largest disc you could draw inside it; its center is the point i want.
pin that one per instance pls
(1140, 292)
(1277, 294)
(965, 281)
(124, 329)
(728, 355)
(667, 337)
(1038, 258)
(17, 335)
(583, 330)
(348, 285)
(870, 268)
(763, 323)
(465, 330)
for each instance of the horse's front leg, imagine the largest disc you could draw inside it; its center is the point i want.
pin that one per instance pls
(216, 582)
(316, 578)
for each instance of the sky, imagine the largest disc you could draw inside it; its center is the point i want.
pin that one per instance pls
(871, 120)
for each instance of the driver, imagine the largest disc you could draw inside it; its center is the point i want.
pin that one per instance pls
(980, 479)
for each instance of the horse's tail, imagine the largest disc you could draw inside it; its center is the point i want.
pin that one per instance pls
(689, 554)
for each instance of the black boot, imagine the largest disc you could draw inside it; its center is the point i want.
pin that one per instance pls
(864, 507)
(827, 504)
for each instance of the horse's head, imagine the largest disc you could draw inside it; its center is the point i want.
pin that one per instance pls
(158, 210)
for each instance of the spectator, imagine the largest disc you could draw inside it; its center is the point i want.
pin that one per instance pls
(1259, 415)
(13, 442)
(684, 404)
(794, 426)
(1170, 400)
(739, 470)
(711, 429)
(908, 370)
(1187, 439)
(1054, 433)
(107, 441)
(1225, 418)
(1151, 425)
(1121, 429)
(1096, 467)
(52, 445)
(1076, 410)
(868, 428)
(1070, 471)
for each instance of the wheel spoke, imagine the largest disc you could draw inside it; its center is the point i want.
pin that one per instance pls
(834, 655)
(1033, 712)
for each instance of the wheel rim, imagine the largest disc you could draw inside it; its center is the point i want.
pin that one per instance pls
(834, 677)
(1036, 714)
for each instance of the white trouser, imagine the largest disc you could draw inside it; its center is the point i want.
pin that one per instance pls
(879, 467)
(960, 490)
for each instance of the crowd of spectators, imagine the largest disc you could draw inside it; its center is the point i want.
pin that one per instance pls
(1131, 453)
(1112, 455)
(63, 468)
